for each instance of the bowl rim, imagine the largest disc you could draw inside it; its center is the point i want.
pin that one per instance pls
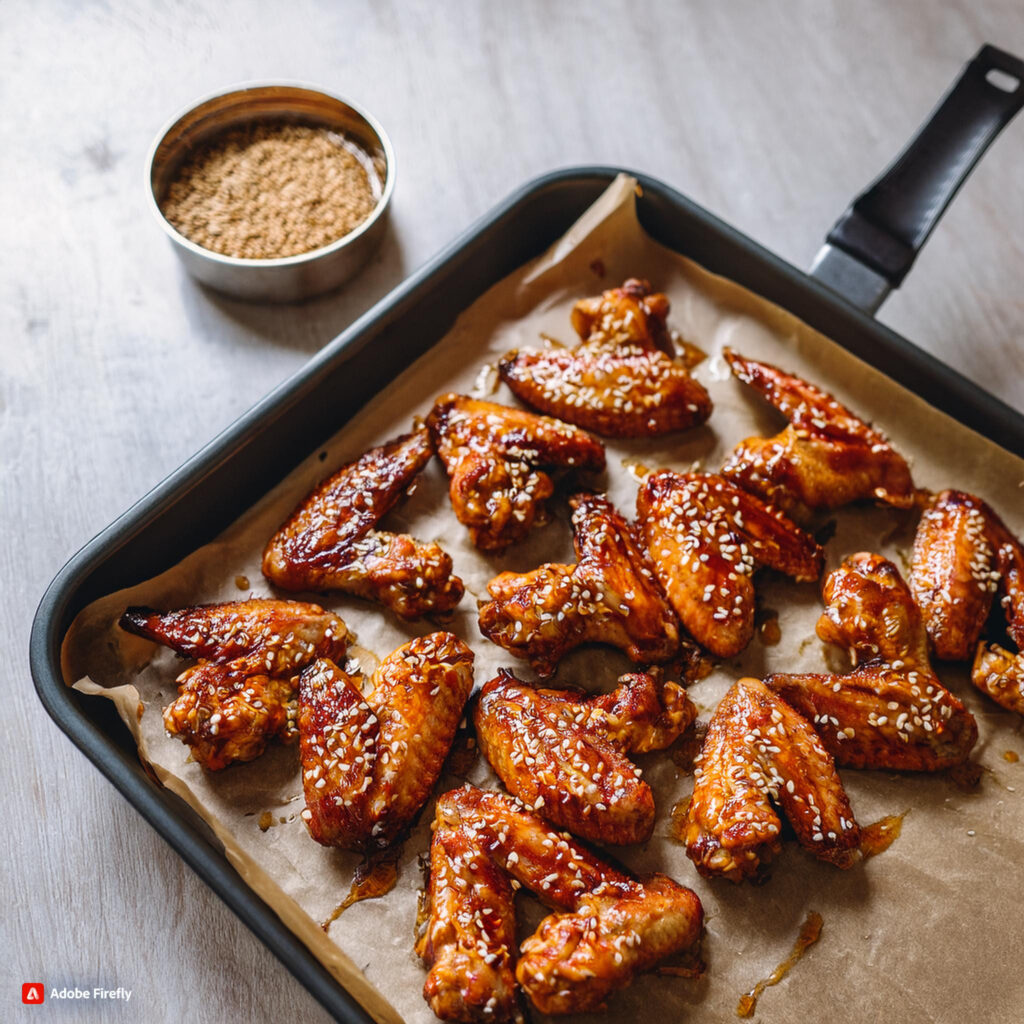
(278, 261)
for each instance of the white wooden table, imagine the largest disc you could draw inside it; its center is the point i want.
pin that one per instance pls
(116, 367)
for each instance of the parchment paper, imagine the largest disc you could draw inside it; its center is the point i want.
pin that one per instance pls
(927, 931)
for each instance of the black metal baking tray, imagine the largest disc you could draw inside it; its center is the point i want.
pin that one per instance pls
(239, 466)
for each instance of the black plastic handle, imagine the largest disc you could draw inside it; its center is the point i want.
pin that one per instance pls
(886, 226)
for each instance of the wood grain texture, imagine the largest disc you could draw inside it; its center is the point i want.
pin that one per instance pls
(116, 366)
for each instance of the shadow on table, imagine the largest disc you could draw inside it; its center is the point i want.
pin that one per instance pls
(304, 326)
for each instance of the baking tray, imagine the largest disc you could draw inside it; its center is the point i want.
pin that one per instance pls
(868, 252)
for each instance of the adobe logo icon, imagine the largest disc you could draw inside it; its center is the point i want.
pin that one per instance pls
(32, 992)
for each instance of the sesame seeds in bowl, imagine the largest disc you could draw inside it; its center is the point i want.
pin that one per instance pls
(272, 192)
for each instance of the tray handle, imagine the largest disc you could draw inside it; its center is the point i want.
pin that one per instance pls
(872, 246)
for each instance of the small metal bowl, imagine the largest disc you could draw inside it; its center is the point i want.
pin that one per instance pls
(289, 278)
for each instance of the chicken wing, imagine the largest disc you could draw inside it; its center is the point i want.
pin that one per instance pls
(241, 694)
(609, 596)
(621, 381)
(706, 537)
(606, 928)
(1000, 674)
(758, 751)
(495, 455)
(564, 754)
(891, 711)
(963, 554)
(330, 542)
(951, 572)
(825, 458)
(370, 762)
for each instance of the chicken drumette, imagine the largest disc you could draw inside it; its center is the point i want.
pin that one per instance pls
(621, 381)
(891, 711)
(241, 694)
(609, 596)
(370, 762)
(331, 542)
(825, 458)
(606, 927)
(564, 754)
(963, 554)
(495, 455)
(759, 751)
(706, 536)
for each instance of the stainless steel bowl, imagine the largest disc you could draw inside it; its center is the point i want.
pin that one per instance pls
(289, 278)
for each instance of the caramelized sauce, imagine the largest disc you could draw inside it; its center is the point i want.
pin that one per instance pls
(877, 837)
(690, 355)
(635, 468)
(677, 828)
(374, 877)
(1012, 756)
(769, 632)
(810, 932)
(685, 750)
(242, 582)
(266, 820)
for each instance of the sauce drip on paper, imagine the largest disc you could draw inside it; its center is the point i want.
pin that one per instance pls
(877, 837)
(677, 829)
(810, 932)
(374, 877)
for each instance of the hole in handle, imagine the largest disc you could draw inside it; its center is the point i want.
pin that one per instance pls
(1002, 80)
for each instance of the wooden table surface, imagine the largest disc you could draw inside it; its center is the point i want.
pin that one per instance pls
(116, 366)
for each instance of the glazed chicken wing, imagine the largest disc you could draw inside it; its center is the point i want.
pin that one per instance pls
(241, 694)
(951, 574)
(825, 458)
(606, 928)
(891, 711)
(370, 762)
(495, 457)
(564, 755)
(706, 537)
(621, 381)
(963, 553)
(1000, 674)
(331, 542)
(758, 751)
(609, 596)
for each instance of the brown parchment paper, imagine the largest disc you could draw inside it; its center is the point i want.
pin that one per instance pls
(928, 931)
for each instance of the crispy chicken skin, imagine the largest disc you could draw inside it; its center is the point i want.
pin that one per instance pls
(621, 380)
(606, 927)
(825, 458)
(370, 762)
(495, 456)
(564, 754)
(891, 711)
(705, 537)
(759, 751)
(609, 596)
(241, 694)
(963, 555)
(330, 542)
